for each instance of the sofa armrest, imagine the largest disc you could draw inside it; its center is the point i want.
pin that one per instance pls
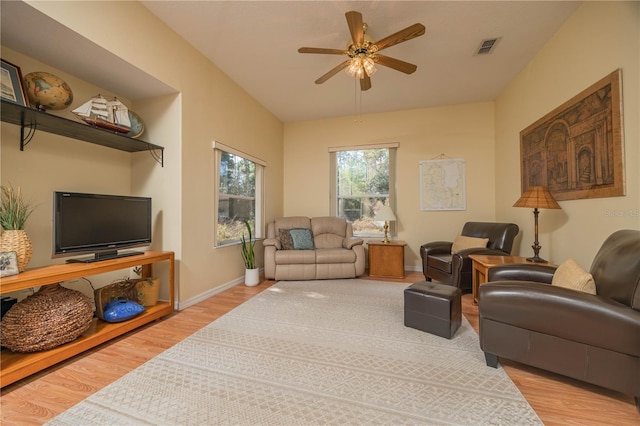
(349, 243)
(272, 242)
(565, 313)
(524, 272)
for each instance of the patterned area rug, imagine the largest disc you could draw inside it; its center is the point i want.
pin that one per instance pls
(313, 353)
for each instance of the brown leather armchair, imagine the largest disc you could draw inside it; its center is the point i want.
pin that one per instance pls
(593, 338)
(455, 269)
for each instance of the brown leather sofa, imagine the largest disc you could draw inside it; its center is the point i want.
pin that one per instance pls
(438, 263)
(593, 338)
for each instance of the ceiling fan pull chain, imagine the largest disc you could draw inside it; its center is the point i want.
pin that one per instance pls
(357, 102)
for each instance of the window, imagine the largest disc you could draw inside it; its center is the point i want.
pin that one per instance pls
(363, 181)
(239, 194)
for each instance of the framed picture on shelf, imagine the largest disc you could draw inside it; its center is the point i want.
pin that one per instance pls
(8, 263)
(11, 84)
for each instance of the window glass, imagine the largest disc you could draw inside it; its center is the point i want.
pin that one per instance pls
(363, 184)
(237, 198)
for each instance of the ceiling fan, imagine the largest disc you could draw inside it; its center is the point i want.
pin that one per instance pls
(363, 51)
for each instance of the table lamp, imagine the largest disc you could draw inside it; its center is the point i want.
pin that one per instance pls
(537, 197)
(385, 213)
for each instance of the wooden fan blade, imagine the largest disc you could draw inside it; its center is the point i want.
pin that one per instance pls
(365, 83)
(415, 30)
(354, 20)
(322, 50)
(396, 64)
(332, 72)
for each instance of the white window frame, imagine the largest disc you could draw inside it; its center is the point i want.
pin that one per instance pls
(218, 148)
(333, 187)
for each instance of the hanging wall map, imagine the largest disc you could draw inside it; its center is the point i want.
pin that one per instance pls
(442, 184)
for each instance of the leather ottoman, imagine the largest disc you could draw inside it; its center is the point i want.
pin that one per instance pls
(434, 308)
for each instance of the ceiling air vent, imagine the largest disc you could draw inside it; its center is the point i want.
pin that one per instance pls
(487, 46)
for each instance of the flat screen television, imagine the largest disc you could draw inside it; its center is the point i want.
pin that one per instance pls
(100, 225)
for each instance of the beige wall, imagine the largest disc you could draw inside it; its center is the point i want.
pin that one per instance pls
(207, 106)
(599, 38)
(51, 162)
(461, 131)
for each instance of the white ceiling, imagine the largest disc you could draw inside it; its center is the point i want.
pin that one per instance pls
(256, 42)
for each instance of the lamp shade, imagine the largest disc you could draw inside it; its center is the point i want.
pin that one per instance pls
(385, 213)
(537, 197)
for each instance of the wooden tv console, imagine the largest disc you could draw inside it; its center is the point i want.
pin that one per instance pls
(15, 366)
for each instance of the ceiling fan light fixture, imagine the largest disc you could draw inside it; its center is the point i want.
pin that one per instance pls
(362, 51)
(360, 65)
(369, 66)
(355, 68)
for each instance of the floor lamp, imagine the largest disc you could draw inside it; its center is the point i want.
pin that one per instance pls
(385, 213)
(537, 197)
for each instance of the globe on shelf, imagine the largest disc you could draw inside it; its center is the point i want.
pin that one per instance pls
(47, 91)
(137, 125)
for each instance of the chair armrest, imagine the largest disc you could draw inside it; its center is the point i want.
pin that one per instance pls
(481, 250)
(460, 261)
(349, 243)
(557, 311)
(523, 272)
(272, 242)
(436, 247)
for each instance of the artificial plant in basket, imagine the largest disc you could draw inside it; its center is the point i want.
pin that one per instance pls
(14, 212)
(148, 288)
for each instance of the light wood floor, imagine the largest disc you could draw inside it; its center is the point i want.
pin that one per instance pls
(33, 401)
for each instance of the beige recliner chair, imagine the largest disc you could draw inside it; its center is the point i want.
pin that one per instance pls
(330, 252)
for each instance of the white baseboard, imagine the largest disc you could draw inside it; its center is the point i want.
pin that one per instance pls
(209, 293)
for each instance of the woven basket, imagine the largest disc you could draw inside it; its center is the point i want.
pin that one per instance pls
(125, 290)
(18, 241)
(148, 291)
(51, 317)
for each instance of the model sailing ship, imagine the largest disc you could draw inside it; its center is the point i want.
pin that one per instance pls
(107, 114)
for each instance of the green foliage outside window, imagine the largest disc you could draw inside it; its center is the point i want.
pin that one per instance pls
(362, 187)
(236, 197)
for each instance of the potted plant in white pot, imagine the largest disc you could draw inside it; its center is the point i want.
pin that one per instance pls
(14, 212)
(251, 273)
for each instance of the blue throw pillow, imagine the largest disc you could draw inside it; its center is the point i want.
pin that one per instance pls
(121, 310)
(302, 239)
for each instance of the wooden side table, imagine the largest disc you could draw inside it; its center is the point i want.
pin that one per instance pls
(386, 259)
(482, 263)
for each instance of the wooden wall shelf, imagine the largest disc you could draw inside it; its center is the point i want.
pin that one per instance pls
(31, 120)
(15, 366)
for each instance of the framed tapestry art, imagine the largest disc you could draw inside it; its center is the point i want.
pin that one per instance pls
(576, 150)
